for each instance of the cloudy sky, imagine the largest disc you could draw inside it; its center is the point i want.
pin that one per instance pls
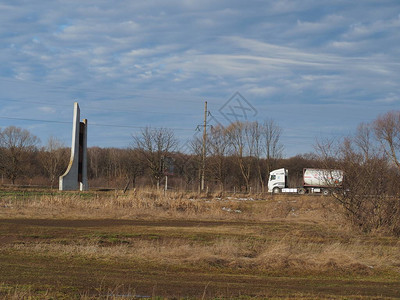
(318, 68)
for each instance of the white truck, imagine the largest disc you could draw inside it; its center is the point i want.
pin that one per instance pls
(314, 181)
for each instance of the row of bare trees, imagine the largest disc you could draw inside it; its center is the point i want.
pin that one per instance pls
(18, 147)
(251, 147)
(20, 156)
(239, 156)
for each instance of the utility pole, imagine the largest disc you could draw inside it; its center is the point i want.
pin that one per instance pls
(203, 162)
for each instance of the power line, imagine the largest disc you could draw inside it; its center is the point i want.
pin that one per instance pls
(34, 120)
(140, 111)
(36, 102)
(139, 127)
(95, 124)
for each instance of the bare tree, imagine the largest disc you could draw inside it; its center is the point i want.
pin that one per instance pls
(132, 166)
(243, 141)
(218, 145)
(364, 140)
(368, 194)
(257, 138)
(387, 131)
(17, 144)
(155, 144)
(54, 158)
(250, 142)
(272, 133)
(95, 160)
(196, 147)
(187, 166)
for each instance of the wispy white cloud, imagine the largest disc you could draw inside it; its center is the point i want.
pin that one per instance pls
(47, 109)
(326, 25)
(172, 55)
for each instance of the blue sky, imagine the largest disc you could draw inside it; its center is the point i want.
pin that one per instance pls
(318, 68)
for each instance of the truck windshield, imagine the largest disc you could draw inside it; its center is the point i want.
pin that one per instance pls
(273, 177)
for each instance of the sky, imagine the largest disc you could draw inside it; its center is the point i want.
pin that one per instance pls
(318, 68)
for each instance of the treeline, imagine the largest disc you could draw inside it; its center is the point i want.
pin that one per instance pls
(119, 168)
(238, 158)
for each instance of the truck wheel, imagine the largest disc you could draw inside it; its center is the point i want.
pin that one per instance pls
(325, 192)
(301, 191)
(276, 190)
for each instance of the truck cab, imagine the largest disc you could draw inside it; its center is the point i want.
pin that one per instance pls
(278, 180)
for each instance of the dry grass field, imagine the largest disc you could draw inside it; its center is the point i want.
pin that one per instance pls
(144, 244)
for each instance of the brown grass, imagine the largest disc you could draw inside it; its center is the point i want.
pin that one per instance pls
(286, 255)
(259, 234)
(171, 204)
(298, 250)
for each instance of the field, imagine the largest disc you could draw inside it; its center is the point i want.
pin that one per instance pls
(144, 244)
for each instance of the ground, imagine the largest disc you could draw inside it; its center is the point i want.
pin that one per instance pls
(54, 247)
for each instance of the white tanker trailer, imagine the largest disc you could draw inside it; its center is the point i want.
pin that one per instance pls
(314, 181)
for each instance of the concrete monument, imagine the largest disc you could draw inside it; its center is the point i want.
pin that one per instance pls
(76, 175)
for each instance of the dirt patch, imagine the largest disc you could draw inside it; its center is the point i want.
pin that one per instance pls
(98, 278)
(116, 222)
(178, 258)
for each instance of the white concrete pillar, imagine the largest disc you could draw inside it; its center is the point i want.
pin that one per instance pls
(75, 177)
